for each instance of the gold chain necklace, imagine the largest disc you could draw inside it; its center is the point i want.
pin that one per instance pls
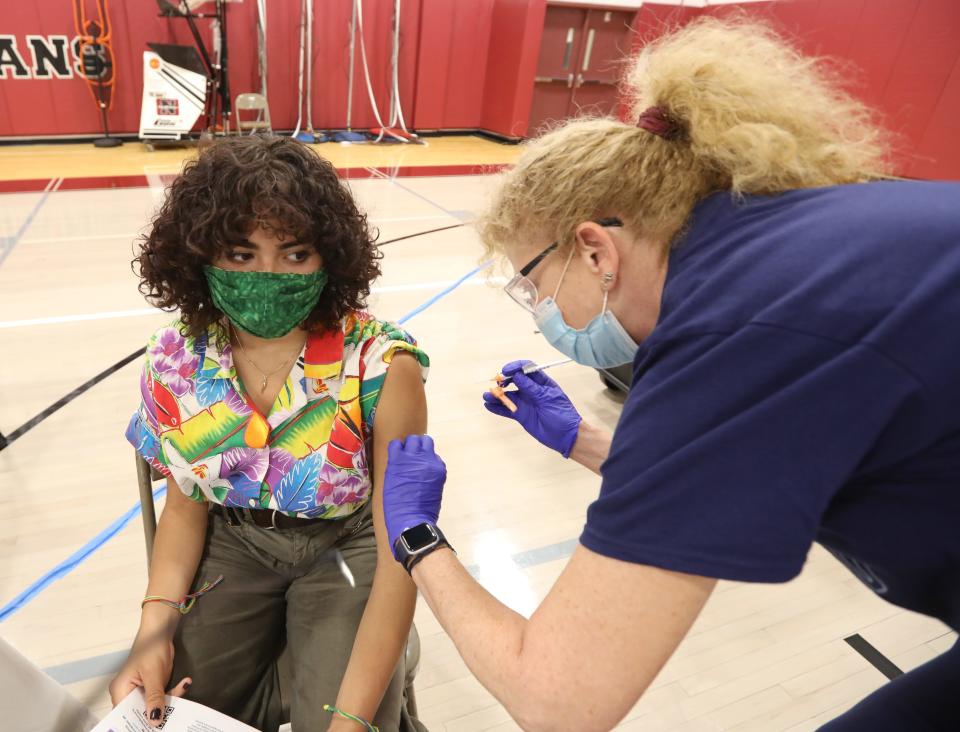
(265, 374)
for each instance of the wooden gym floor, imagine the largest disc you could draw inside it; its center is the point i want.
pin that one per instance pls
(133, 158)
(760, 658)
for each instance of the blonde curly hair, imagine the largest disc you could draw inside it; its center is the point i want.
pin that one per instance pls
(754, 116)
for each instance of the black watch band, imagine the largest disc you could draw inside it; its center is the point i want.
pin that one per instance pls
(416, 542)
(415, 559)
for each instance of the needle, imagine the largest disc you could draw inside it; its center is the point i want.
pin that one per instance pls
(532, 368)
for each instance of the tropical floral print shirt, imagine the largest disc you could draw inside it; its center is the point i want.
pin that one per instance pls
(307, 457)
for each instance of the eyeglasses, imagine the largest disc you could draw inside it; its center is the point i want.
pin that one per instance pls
(521, 289)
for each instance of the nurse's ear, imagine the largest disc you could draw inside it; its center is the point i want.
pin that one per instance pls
(597, 249)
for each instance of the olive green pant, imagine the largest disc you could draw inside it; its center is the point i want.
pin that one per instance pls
(280, 586)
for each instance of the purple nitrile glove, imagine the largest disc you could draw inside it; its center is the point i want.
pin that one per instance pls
(543, 409)
(412, 485)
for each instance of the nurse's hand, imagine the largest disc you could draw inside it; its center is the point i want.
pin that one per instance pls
(543, 409)
(412, 485)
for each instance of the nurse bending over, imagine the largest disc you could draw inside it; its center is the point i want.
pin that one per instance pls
(791, 316)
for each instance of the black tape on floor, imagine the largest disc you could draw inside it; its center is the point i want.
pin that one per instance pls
(64, 401)
(420, 233)
(876, 659)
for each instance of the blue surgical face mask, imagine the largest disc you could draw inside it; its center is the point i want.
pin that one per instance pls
(602, 344)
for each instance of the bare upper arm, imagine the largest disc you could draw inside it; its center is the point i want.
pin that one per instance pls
(604, 632)
(401, 411)
(178, 502)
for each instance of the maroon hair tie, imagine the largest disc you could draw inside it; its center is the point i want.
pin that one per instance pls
(655, 120)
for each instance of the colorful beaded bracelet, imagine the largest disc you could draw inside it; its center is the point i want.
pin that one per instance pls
(187, 601)
(346, 715)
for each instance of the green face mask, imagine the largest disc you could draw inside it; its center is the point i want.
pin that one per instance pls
(266, 304)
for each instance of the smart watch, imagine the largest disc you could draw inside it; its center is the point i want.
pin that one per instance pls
(416, 542)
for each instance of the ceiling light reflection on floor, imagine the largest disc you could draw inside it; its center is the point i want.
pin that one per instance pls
(500, 575)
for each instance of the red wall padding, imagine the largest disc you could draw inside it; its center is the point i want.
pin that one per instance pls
(512, 64)
(903, 54)
(902, 57)
(452, 63)
(33, 107)
(470, 63)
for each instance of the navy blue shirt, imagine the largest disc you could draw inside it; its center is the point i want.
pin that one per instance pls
(802, 384)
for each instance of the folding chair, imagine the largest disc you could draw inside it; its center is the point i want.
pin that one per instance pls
(145, 477)
(146, 474)
(252, 103)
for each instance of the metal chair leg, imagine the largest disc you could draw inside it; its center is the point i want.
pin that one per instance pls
(147, 509)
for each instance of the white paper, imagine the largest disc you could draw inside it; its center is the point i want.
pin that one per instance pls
(179, 715)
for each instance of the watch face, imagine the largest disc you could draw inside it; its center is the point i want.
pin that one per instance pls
(419, 538)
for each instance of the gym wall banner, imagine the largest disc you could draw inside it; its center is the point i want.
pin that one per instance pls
(44, 90)
(40, 57)
(67, 67)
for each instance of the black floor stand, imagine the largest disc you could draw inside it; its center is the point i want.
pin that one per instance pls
(106, 140)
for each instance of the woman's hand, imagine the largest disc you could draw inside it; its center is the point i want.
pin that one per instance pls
(148, 666)
(543, 409)
(412, 485)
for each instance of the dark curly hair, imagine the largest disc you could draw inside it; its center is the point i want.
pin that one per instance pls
(236, 185)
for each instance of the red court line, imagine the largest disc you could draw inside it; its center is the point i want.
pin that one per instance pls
(24, 186)
(105, 182)
(140, 181)
(424, 171)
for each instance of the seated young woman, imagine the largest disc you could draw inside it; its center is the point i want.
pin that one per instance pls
(258, 405)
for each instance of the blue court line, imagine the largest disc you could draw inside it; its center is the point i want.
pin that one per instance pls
(69, 564)
(108, 664)
(443, 293)
(87, 668)
(74, 560)
(8, 243)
